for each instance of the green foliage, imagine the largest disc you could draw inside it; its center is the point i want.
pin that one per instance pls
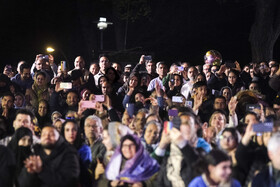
(132, 9)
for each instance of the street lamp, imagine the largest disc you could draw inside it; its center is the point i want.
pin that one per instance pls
(50, 49)
(102, 25)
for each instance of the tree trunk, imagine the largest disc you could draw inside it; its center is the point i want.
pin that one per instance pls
(265, 30)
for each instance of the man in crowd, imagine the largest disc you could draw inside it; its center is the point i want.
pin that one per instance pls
(162, 72)
(80, 64)
(23, 79)
(103, 64)
(55, 162)
(7, 110)
(93, 131)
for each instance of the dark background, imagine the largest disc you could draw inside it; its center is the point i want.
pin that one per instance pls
(174, 30)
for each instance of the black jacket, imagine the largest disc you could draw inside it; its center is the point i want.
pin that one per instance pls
(60, 168)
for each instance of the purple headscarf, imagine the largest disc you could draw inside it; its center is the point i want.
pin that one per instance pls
(139, 168)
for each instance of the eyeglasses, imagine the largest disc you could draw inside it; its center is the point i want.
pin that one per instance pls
(226, 137)
(128, 146)
(91, 126)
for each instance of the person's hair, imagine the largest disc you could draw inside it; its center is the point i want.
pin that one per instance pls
(236, 73)
(103, 55)
(154, 114)
(96, 119)
(149, 61)
(158, 124)
(78, 141)
(233, 133)
(41, 73)
(24, 66)
(99, 85)
(199, 84)
(194, 69)
(215, 157)
(274, 142)
(73, 91)
(9, 94)
(161, 63)
(217, 112)
(220, 97)
(200, 74)
(25, 112)
(251, 113)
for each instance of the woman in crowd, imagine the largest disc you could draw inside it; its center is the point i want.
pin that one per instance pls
(218, 121)
(226, 92)
(150, 137)
(235, 82)
(217, 171)
(20, 144)
(42, 114)
(72, 134)
(130, 164)
(113, 78)
(38, 91)
(19, 100)
(174, 85)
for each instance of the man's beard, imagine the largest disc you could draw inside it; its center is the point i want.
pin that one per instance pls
(48, 146)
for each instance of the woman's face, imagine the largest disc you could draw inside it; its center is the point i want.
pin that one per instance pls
(228, 142)
(111, 75)
(55, 117)
(40, 80)
(107, 140)
(151, 134)
(221, 172)
(232, 78)
(18, 101)
(102, 80)
(25, 141)
(70, 132)
(226, 94)
(85, 95)
(139, 97)
(58, 125)
(128, 149)
(133, 82)
(177, 81)
(218, 121)
(200, 78)
(126, 120)
(42, 109)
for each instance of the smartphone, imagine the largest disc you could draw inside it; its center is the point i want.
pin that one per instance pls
(99, 98)
(180, 68)
(45, 57)
(230, 65)
(130, 108)
(263, 127)
(251, 107)
(172, 81)
(167, 126)
(88, 104)
(63, 66)
(66, 85)
(173, 112)
(189, 104)
(148, 58)
(177, 99)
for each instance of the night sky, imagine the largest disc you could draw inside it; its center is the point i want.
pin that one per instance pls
(174, 30)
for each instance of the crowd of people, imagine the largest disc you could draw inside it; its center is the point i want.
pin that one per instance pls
(145, 124)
